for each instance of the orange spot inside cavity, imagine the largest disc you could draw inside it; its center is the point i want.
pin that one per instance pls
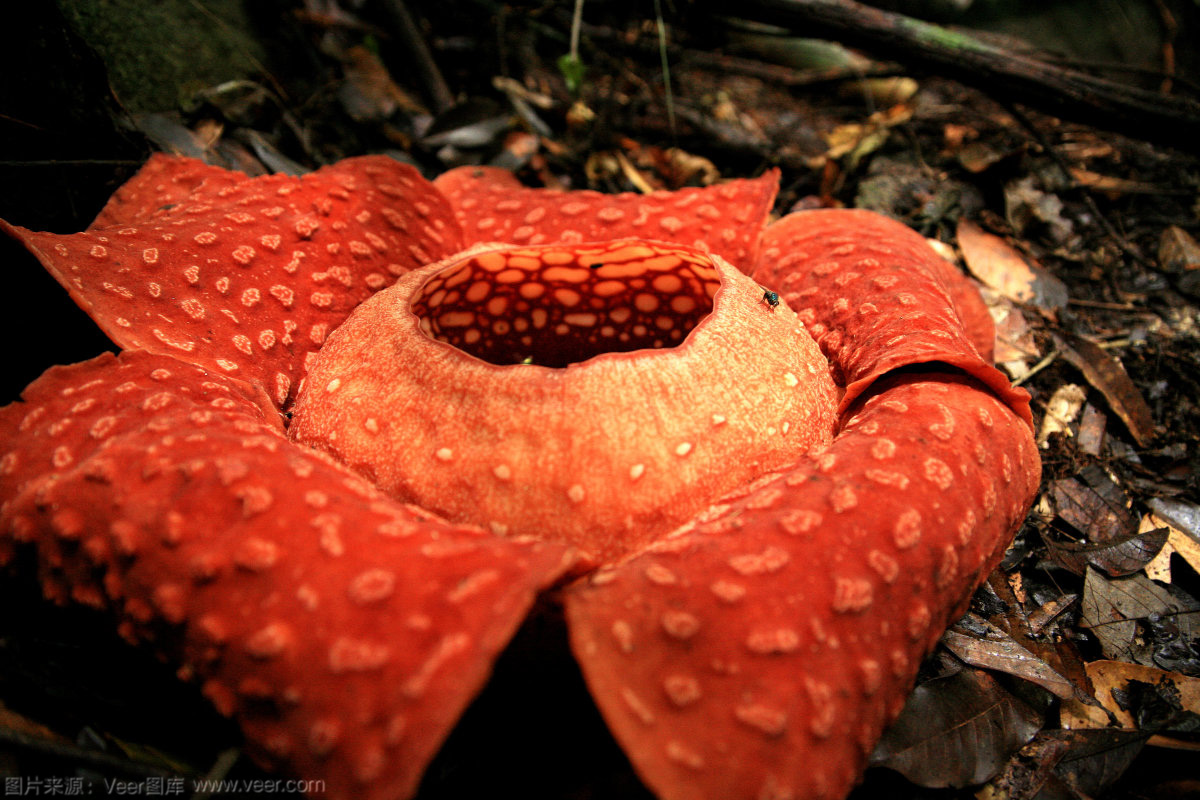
(582, 303)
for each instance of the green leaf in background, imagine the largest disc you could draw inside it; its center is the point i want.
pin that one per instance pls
(572, 69)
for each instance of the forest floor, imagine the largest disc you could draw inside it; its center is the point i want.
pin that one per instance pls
(1084, 645)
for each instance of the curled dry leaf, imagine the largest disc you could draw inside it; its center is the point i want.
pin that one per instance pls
(1049, 611)
(982, 644)
(1099, 509)
(1177, 251)
(857, 140)
(881, 92)
(1016, 348)
(1061, 410)
(1111, 184)
(1034, 631)
(1107, 374)
(1028, 208)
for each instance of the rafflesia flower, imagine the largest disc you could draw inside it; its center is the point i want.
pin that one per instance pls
(360, 422)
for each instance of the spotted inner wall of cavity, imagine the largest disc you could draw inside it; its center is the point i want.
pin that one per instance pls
(553, 306)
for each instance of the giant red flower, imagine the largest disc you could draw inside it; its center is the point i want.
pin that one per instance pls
(361, 421)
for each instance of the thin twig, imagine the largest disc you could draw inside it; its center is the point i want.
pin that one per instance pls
(576, 25)
(666, 67)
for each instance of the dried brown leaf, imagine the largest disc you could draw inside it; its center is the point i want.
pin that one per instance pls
(687, 169)
(368, 92)
(1109, 675)
(642, 182)
(1137, 620)
(977, 157)
(858, 140)
(1114, 558)
(881, 92)
(1106, 374)
(1177, 250)
(1015, 344)
(1178, 543)
(1101, 519)
(1092, 424)
(1036, 632)
(998, 265)
(982, 644)
(956, 731)
(1049, 611)
(1095, 759)
(1179, 255)
(993, 261)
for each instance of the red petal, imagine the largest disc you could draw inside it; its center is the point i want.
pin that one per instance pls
(162, 183)
(246, 275)
(762, 653)
(346, 632)
(726, 219)
(876, 298)
(66, 418)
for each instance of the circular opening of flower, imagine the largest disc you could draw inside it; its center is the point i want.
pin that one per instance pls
(556, 306)
(599, 394)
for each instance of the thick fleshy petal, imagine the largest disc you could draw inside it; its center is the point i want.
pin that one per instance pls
(162, 183)
(246, 275)
(876, 297)
(726, 219)
(761, 653)
(344, 631)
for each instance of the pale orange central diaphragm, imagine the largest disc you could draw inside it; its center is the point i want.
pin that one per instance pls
(598, 394)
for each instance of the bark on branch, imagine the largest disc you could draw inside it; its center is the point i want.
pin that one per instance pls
(1019, 78)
